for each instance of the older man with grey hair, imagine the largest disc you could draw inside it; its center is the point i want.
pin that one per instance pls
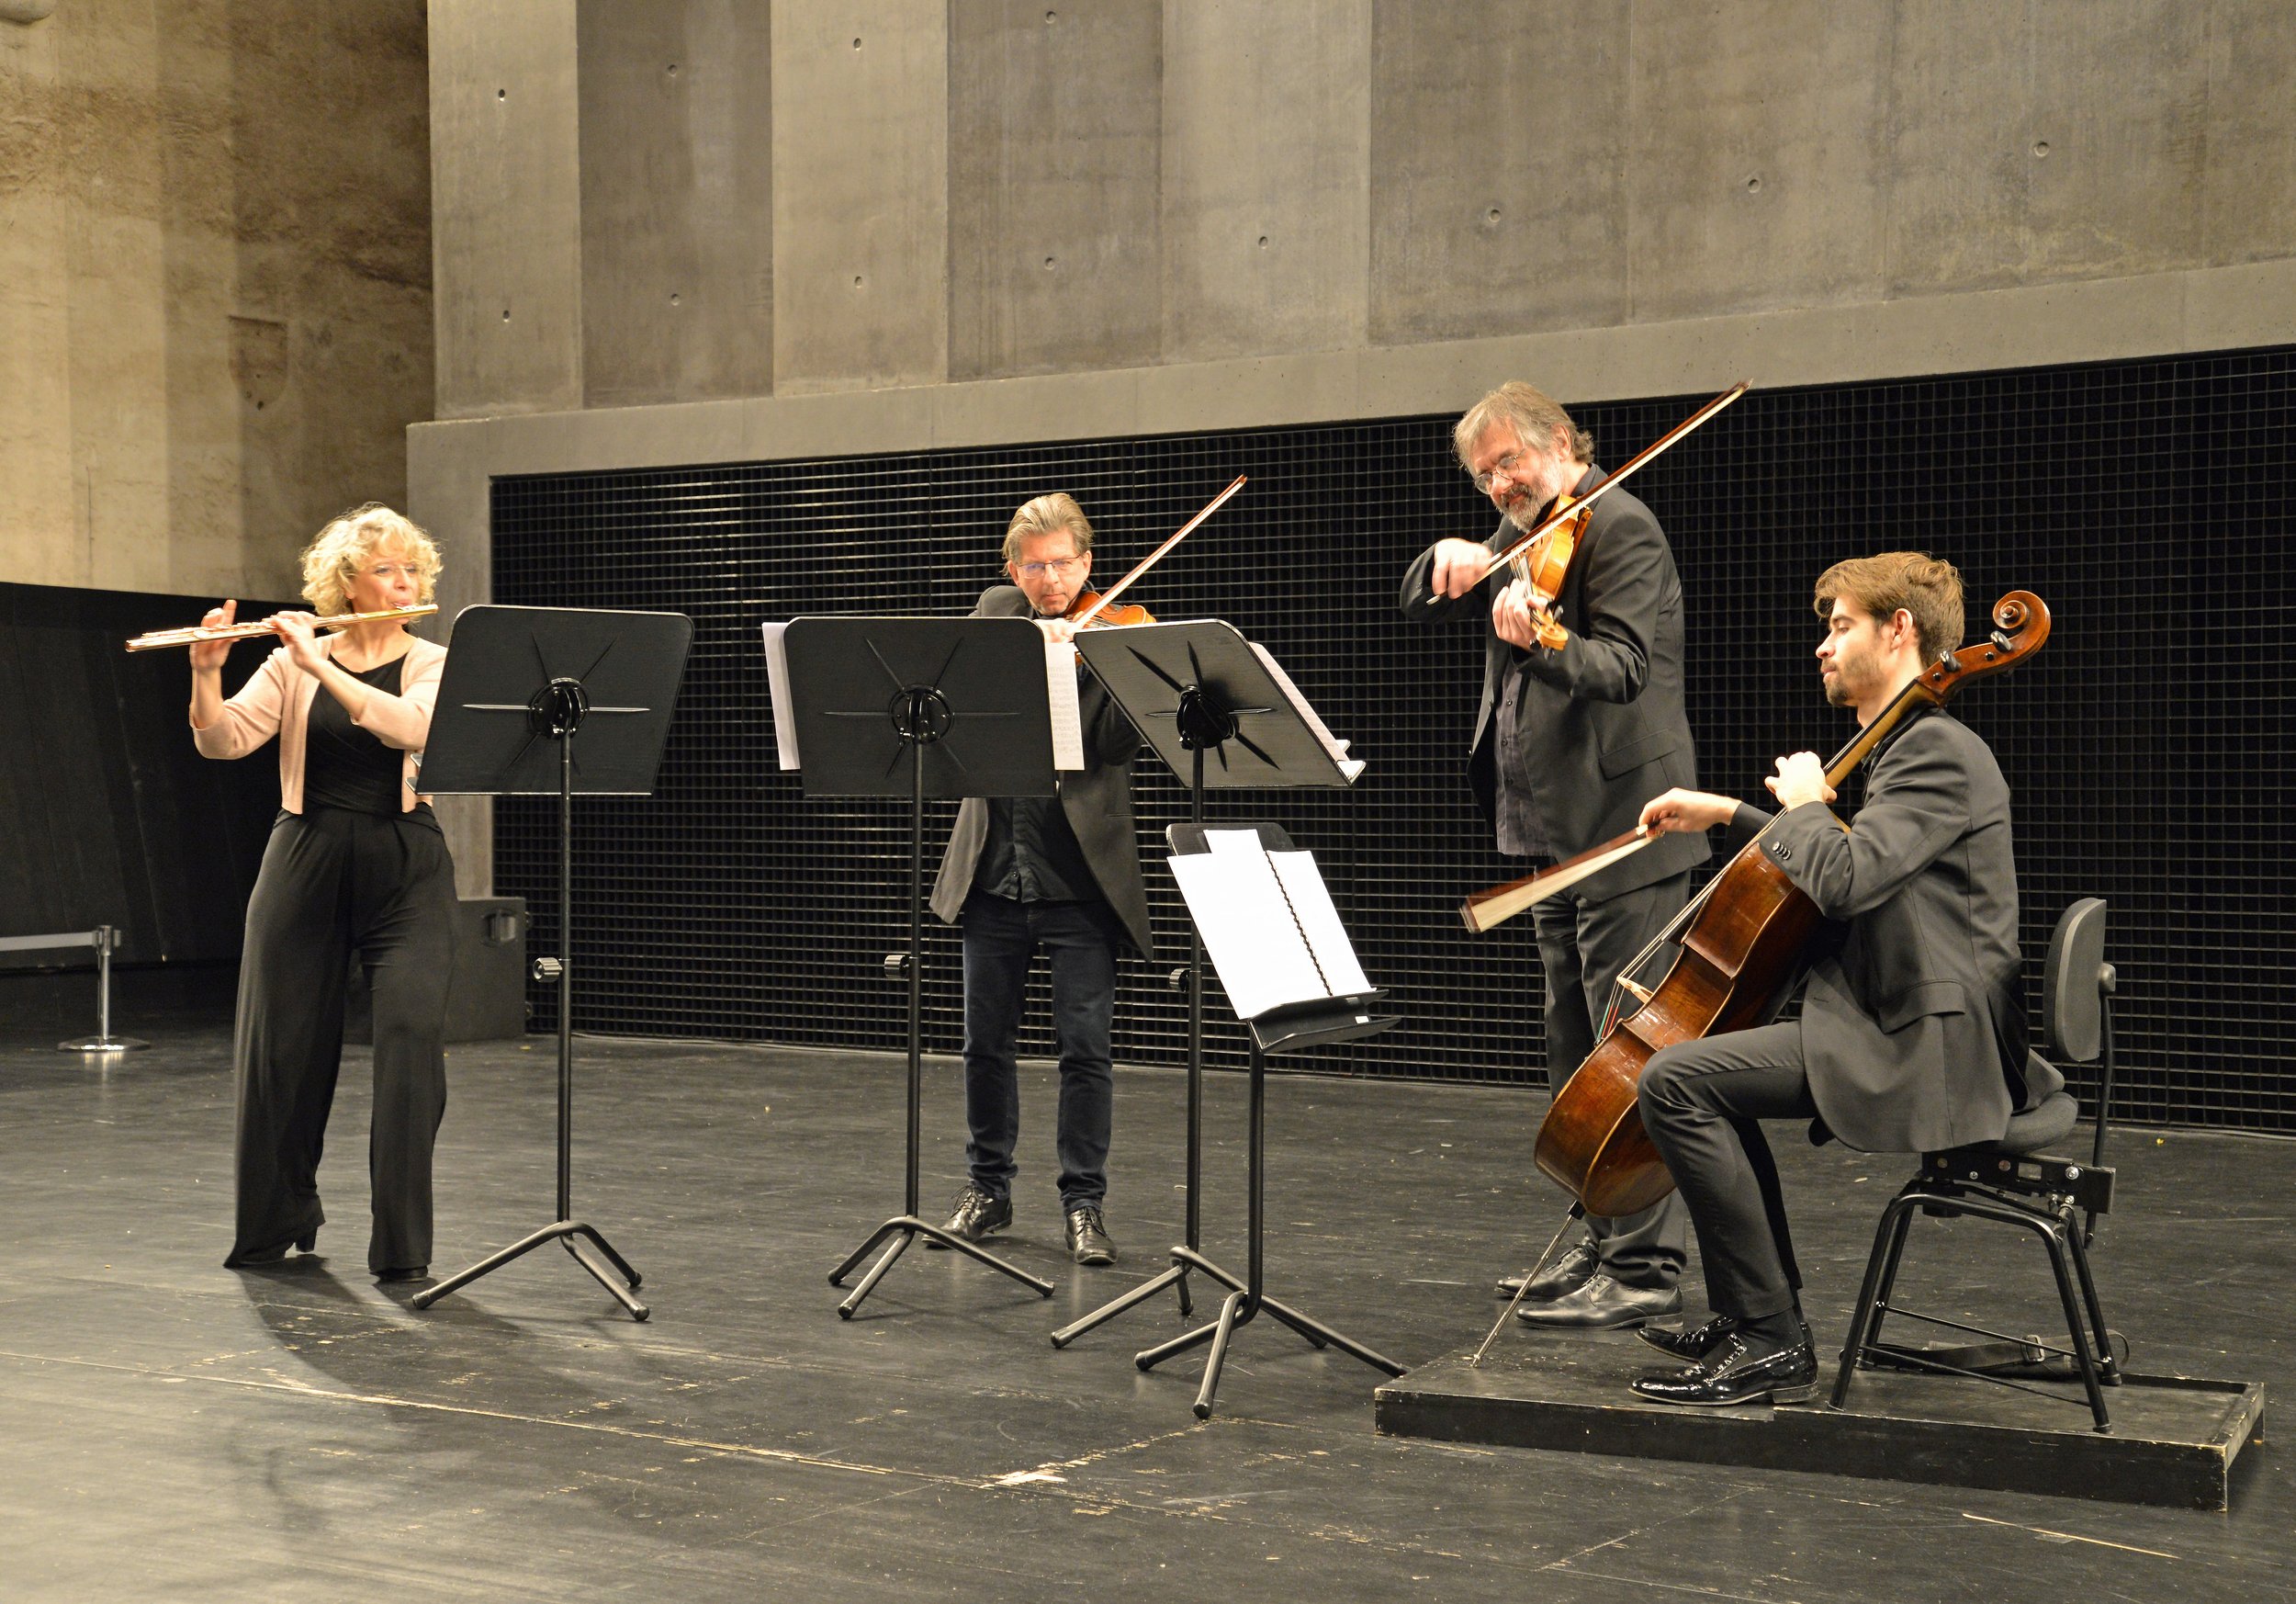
(1578, 728)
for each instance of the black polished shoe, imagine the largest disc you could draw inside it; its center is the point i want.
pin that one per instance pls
(974, 1215)
(404, 1272)
(1738, 1373)
(1603, 1304)
(1564, 1276)
(1088, 1241)
(1694, 1344)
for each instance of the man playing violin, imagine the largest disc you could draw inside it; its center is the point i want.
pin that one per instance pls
(1062, 873)
(1912, 1033)
(1571, 741)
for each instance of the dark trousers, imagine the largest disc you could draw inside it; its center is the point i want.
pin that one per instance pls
(1701, 1101)
(334, 884)
(1583, 946)
(1000, 938)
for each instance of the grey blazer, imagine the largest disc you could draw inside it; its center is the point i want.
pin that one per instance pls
(1911, 1029)
(1602, 719)
(1097, 801)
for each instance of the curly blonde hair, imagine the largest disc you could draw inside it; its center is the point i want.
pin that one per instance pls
(336, 552)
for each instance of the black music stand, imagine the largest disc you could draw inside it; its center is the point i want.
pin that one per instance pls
(963, 701)
(1289, 1028)
(518, 686)
(1193, 689)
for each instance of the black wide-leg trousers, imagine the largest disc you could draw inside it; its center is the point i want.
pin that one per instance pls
(334, 884)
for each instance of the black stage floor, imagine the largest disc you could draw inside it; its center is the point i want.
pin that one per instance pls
(175, 1430)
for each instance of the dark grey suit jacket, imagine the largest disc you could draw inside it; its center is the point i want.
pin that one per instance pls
(1097, 801)
(1602, 718)
(1909, 1030)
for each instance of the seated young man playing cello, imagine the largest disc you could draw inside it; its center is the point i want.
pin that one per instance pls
(1912, 1033)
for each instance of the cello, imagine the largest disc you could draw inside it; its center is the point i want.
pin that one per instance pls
(1743, 943)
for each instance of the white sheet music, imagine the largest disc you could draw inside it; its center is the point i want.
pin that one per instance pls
(1348, 766)
(1312, 905)
(1268, 924)
(776, 689)
(1060, 689)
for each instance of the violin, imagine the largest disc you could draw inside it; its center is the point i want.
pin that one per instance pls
(1094, 609)
(1546, 563)
(1542, 557)
(1091, 611)
(1747, 943)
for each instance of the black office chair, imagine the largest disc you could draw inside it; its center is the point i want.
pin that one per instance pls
(2013, 1183)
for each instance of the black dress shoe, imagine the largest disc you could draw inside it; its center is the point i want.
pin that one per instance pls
(1603, 1304)
(1565, 1275)
(275, 1254)
(1694, 1344)
(974, 1215)
(1088, 1241)
(1738, 1373)
(404, 1272)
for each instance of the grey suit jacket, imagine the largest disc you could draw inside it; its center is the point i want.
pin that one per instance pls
(1911, 1028)
(1097, 800)
(1602, 718)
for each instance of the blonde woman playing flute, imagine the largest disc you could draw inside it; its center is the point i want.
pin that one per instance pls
(356, 865)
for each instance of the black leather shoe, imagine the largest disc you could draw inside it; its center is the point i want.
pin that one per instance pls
(1565, 1275)
(1694, 1344)
(1738, 1373)
(1603, 1304)
(1088, 1236)
(404, 1272)
(974, 1215)
(275, 1254)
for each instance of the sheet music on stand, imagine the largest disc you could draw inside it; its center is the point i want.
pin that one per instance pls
(1268, 921)
(1060, 687)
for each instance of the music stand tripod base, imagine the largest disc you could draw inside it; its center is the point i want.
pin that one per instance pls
(1246, 1298)
(575, 1236)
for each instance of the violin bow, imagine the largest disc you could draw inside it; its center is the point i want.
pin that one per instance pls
(1149, 561)
(1619, 477)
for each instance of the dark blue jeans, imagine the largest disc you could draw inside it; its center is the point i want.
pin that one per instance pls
(1000, 938)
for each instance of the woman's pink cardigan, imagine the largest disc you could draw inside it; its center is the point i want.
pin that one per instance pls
(276, 700)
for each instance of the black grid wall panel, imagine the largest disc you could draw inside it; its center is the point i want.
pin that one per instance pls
(2148, 745)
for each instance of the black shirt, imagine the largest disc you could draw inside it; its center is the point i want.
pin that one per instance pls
(1031, 854)
(347, 767)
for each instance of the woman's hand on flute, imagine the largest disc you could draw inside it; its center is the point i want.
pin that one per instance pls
(301, 631)
(208, 655)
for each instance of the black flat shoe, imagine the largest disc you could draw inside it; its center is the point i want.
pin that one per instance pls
(1694, 1344)
(1737, 1373)
(974, 1215)
(1087, 1233)
(1561, 1278)
(277, 1253)
(1603, 1304)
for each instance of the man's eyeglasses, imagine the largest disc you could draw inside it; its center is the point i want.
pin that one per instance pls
(1059, 567)
(1510, 465)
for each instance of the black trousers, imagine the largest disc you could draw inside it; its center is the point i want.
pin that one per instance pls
(1701, 1101)
(1583, 946)
(334, 884)
(1000, 938)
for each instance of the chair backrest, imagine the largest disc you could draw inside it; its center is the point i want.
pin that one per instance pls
(2073, 983)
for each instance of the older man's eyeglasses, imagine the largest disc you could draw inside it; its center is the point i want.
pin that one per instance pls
(1058, 567)
(1510, 466)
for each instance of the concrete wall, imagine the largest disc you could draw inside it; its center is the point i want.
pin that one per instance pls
(214, 284)
(845, 228)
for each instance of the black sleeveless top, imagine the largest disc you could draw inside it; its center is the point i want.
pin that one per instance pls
(347, 767)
